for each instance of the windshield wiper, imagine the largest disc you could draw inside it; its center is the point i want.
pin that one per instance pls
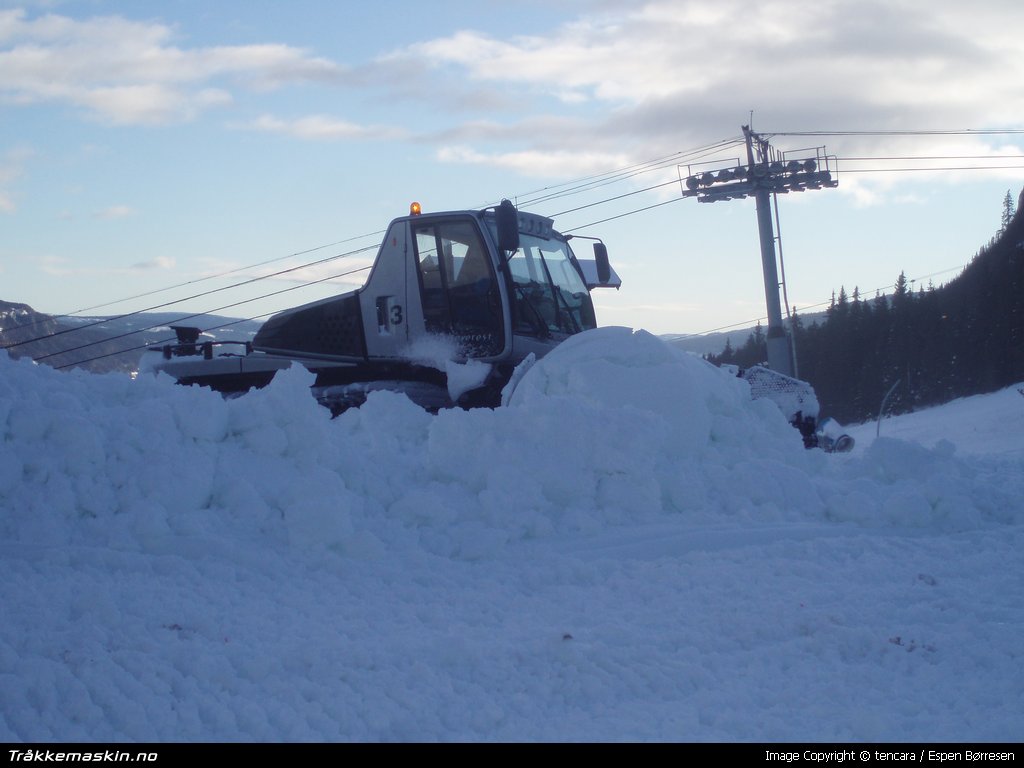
(560, 296)
(540, 327)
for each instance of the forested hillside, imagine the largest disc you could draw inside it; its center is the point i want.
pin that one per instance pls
(926, 346)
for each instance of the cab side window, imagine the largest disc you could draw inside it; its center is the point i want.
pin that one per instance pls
(458, 284)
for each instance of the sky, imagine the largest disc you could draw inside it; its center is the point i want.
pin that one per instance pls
(152, 152)
(632, 550)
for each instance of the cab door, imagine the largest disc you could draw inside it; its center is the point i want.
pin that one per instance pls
(459, 290)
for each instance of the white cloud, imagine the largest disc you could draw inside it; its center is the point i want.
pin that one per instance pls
(320, 127)
(882, 53)
(643, 80)
(60, 266)
(57, 266)
(213, 97)
(621, 82)
(136, 104)
(156, 263)
(740, 49)
(11, 169)
(125, 71)
(115, 212)
(555, 164)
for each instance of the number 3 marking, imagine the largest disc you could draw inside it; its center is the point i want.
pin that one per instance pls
(396, 314)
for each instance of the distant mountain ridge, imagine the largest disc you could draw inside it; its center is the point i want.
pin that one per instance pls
(101, 344)
(714, 343)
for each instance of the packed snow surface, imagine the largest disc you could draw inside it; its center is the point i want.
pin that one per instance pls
(633, 549)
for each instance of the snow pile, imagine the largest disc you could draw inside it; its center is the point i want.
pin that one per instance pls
(611, 429)
(632, 549)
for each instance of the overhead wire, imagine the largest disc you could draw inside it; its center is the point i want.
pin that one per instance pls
(161, 342)
(632, 169)
(194, 281)
(573, 187)
(187, 317)
(931, 169)
(187, 298)
(545, 194)
(953, 132)
(595, 182)
(225, 273)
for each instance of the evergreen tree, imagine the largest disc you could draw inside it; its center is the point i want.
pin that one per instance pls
(1007, 212)
(900, 289)
(759, 337)
(753, 352)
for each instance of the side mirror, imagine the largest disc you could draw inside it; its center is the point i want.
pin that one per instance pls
(508, 226)
(604, 267)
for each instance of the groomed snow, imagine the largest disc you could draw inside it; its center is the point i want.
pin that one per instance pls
(633, 549)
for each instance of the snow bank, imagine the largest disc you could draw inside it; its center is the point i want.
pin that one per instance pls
(612, 428)
(632, 549)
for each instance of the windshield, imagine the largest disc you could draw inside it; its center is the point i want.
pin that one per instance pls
(550, 293)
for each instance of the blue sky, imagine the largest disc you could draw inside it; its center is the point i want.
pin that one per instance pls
(145, 145)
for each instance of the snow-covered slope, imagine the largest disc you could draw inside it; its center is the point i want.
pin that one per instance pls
(632, 550)
(981, 425)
